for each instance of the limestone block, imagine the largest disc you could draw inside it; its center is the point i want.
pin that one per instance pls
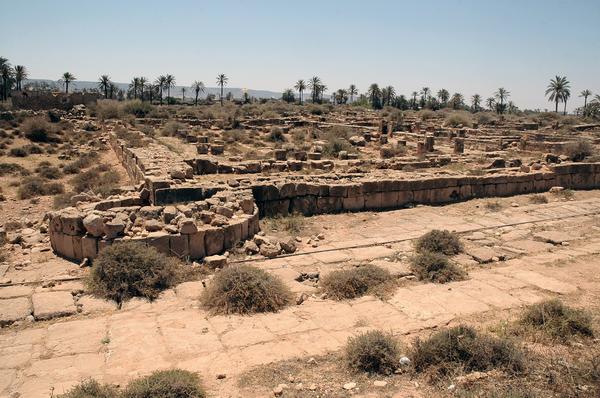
(213, 240)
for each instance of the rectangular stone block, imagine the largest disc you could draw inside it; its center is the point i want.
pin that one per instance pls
(179, 245)
(389, 200)
(196, 245)
(373, 200)
(77, 250)
(89, 247)
(355, 203)
(213, 240)
(160, 241)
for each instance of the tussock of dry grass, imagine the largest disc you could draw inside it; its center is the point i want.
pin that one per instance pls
(435, 267)
(373, 352)
(357, 282)
(556, 320)
(245, 290)
(439, 241)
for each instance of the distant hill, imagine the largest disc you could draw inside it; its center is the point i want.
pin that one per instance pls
(78, 85)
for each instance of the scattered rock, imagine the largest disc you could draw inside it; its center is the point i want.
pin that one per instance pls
(349, 386)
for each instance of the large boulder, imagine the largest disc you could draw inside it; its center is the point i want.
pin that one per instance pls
(94, 225)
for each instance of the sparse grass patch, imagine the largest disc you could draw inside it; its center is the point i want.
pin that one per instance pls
(579, 150)
(435, 267)
(566, 194)
(373, 352)
(439, 241)
(127, 269)
(99, 179)
(557, 320)
(457, 120)
(538, 199)
(493, 205)
(463, 348)
(389, 151)
(293, 223)
(18, 152)
(174, 383)
(32, 187)
(244, 289)
(38, 129)
(357, 282)
(132, 138)
(137, 108)
(12, 169)
(172, 128)
(276, 135)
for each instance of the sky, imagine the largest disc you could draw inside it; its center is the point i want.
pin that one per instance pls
(462, 45)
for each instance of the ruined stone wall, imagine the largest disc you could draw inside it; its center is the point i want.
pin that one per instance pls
(189, 231)
(39, 100)
(314, 198)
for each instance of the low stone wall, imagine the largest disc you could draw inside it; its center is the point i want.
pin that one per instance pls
(195, 230)
(314, 198)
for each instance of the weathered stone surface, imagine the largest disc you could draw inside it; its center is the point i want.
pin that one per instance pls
(114, 228)
(14, 309)
(187, 226)
(94, 225)
(482, 254)
(50, 305)
(216, 261)
(152, 225)
(554, 237)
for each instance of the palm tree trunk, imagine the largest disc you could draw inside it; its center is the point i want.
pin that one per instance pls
(66, 87)
(196, 99)
(556, 107)
(565, 109)
(221, 94)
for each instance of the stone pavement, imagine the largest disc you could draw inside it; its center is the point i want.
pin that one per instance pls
(116, 345)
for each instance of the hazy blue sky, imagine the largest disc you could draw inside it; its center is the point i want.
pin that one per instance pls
(465, 46)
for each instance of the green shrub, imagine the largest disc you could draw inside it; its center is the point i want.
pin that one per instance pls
(439, 241)
(18, 152)
(84, 161)
(579, 150)
(435, 267)
(172, 128)
(276, 135)
(137, 108)
(356, 282)
(462, 348)
(97, 179)
(32, 187)
(91, 389)
(128, 269)
(38, 129)
(243, 290)
(457, 120)
(557, 320)
(373, 352)
(175, 383)
(106, 109)
(34, 149)
(426, 114)
(12, 169)
(45, 170)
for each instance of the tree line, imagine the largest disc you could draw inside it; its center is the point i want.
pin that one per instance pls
(558, 91)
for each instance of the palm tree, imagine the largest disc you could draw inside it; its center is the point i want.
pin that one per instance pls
(352, 90)
(150, 89)
(104, 84)
(133, 86)
(315, 85)
(7, 75)
(425, 92)
(20, 75)
(341, 97)
(198, 87)
(443, 95)
(113, 89)
(475, 101)
(502, 95)
(414, 99)
(160, 84)
(67, 78)
(585, 94)
(169, 82)
(490, 102)
(300, 86)
(387, 95)
(564, 98)
(556, 90)
(374, 94)
(222, 81)
(142, 80)
(457, 101)
(512, 108)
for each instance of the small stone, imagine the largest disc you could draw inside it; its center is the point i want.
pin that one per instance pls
(312, 387)
(349, 386)
(404, 361)
(221, 376)
(380, 383)
(216, 261)
(514, 204)
(451, 387)
(320, 236)
(312, 361)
